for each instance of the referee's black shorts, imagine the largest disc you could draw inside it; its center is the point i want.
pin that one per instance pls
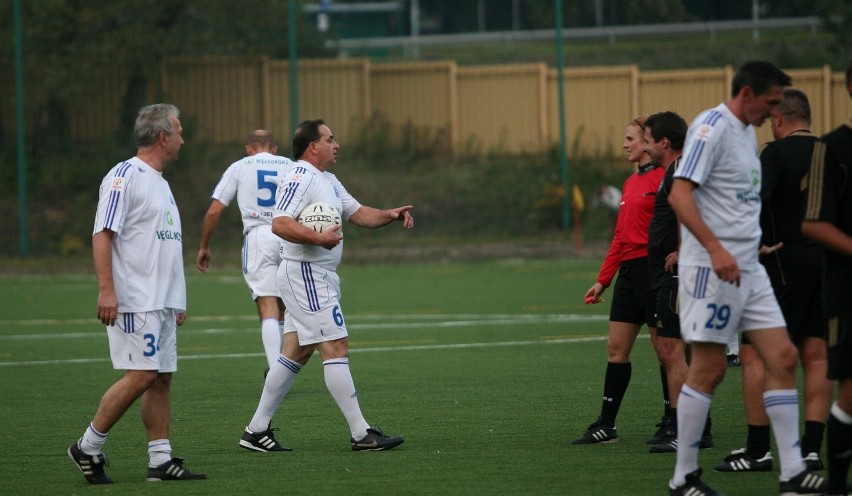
(840, 348)
(632, 299)
(801, 304)
(667, 318)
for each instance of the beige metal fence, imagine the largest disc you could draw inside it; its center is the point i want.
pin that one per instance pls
(509, 107)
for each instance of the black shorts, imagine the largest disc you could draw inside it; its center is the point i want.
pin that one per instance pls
(840, 348)
(667, 318)
(632, 298)
(802, 306)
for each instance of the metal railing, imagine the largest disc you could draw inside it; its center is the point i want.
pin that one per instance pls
(607, 32)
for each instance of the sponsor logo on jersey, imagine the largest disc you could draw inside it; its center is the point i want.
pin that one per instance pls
(703, 133)
(336, 193)
(166, 235)
(749, 196)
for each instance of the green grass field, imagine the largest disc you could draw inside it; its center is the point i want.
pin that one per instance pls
(488, 370)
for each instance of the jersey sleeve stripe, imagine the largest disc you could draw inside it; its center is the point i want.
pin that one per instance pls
(114, 196)
(712, 117)
(816, 179)
(691, 161)
(290, 191)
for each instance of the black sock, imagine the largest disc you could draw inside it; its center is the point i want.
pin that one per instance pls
(839, 445)
(757, 442)
(615, 386)
(812, 439)
(667, 400)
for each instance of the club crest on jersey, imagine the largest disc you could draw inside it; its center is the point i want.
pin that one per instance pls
(117, 183)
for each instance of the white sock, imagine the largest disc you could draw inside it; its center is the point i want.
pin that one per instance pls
(159, 452)
(782, 407)
(270, 333)
(339, 382)
(275, 388)
(693, 406)
(93, 441)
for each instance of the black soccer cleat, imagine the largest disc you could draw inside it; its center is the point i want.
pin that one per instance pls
(92, 466)
(740, 461)
(376, 440)
(172, 470)
(597, 433)
(665, 428)
(804, 483)
(261, 441)
(693, 487)
(669, 444)
(813, 462)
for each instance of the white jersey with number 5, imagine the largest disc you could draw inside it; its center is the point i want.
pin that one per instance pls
(720, 156)
(136, 203)
(254, 181)
(303, 185)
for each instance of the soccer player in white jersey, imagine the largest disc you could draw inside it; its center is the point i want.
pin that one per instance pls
(254, 180)
(138, 255)
(310, 288)
(723, 288)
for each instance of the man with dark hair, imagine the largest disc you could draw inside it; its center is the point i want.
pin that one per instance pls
(723, 289)
(828, 220)
(665, 133)
(794, 265)
(310, 288)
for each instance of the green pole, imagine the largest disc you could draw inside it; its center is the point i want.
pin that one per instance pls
(19, 111)
(294, 74)
(563, 148)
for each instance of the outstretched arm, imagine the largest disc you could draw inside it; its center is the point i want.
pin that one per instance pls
(373, 217)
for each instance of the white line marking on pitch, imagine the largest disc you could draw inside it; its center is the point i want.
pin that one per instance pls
(584, 339)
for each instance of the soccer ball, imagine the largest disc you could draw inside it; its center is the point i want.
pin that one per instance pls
(319, 216)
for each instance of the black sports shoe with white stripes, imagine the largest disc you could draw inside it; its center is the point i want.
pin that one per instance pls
(172, 470)
(740, 461)
(92, 466)
(597, 433)
(693, 486)
(804, 483)
(261, 441)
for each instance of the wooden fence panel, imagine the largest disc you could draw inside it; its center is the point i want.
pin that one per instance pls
(687, 92)
(512, 107)
(222, 96)
(504, 107)
(335, 91)
(598, 105)
(422, 94)
(841, 108)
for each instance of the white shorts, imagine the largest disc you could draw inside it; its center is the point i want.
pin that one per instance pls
(144, 341)
(312, 297)
(261, 256)
(714, 311)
